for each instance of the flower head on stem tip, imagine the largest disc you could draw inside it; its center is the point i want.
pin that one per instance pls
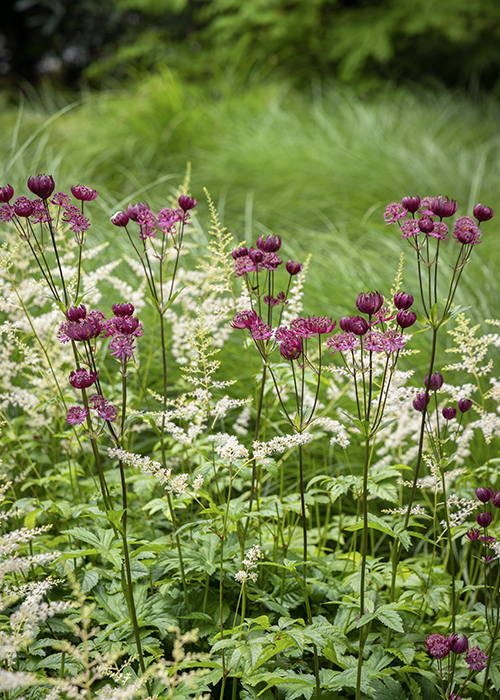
(369, 303)
(41, 185)
(420, 402)
(438, 645)
(83, 193)
(435, 382)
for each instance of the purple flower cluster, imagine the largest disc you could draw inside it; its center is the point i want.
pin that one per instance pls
(166, 220)
(37, 211)
(427, 218)
(440, 646)
(81, 325)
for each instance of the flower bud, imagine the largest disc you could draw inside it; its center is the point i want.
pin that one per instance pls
(449, 412)
(23, 207)
(240, 252)
(133, 210)
(411, 204)
(6, 193)
(121, 218)
(484, 494)
(435, 382)
(256, 256)
(293, 268)
(484, 519)
(83, 194)
(81, 379)
(41, 185)
(496, 499)
(405, 319)
(483, 213)
(403, 301)
(443, 207)
(426, 224)
(369, 303)
(186, 203)
(358, 325)
(123, 309)
(345, 323)
(419, 402)
(464, 405)
(76, 313)
(271, 244)
(458, 645)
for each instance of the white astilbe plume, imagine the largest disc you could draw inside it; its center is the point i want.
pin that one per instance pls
(464, 506)
(281, 443)
(228, 448)
(173, 484)
(249, 562)
(339, 431)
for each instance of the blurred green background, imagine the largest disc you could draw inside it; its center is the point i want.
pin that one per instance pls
(301, 117)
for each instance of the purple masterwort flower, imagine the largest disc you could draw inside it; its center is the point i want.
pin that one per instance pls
(466, 231)
(484, 494)
(476, 659)
(81, 379)
(438, 645)
(484, 519)
(104, 409)
(7, 192)
(343, 342)
(293, 268)
(61, 199)
(440, 230)
(483, 213)
(260, 330)
(245, 319)
(186, 203)
(122, 347)
(76, 415)
(420, 402)
(83, 194)
(394, 212)
(458, 645)
(435, 382)
(86, 328)
(409, 228)
(369, 303)
(443, 207)
(449, 412)
(41, 185)
(291, 347)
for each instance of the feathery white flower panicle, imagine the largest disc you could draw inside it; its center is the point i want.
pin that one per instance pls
(339, 431)
(249, 562)
(240, 425)
(228, 448)
(434, 480)
(464, 506)
(173, 484)
(281, 443)
(218, 263)
(415, 510)
(472, 349)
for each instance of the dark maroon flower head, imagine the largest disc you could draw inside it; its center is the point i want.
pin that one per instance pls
(464, 405)
(241, 252)
(76, 415)
(419, 402)
(126, 325)
(484, 494)
(496, 499)
(123, 309)
(449, 412)
(458, 645)
(426, 224)
(435, 382)
(255, 255)
(484, 519)
(293, 268)
(438, 645)
(88, 329)
(443, 207)
(403, 301)
(186, 203)
(291, 347)
(41, 185)
(24, 207)
(466, 231)
(411, 204)
(357, 325)
(271, 244)
(481, 212)
(6, 193)
(121, 218)
(405, 318)
(369, 303)
(473, 534)
(319, 325)
(345, 323)
(245, 319)
(76, 313)
(81, 379)
(83, 194)
(133, 211)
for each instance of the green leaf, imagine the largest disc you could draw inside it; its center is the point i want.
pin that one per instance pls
(388, 689)
(90, 579)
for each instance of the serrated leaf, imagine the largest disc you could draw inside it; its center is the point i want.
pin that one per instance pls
(388, 689)
(90, 579)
